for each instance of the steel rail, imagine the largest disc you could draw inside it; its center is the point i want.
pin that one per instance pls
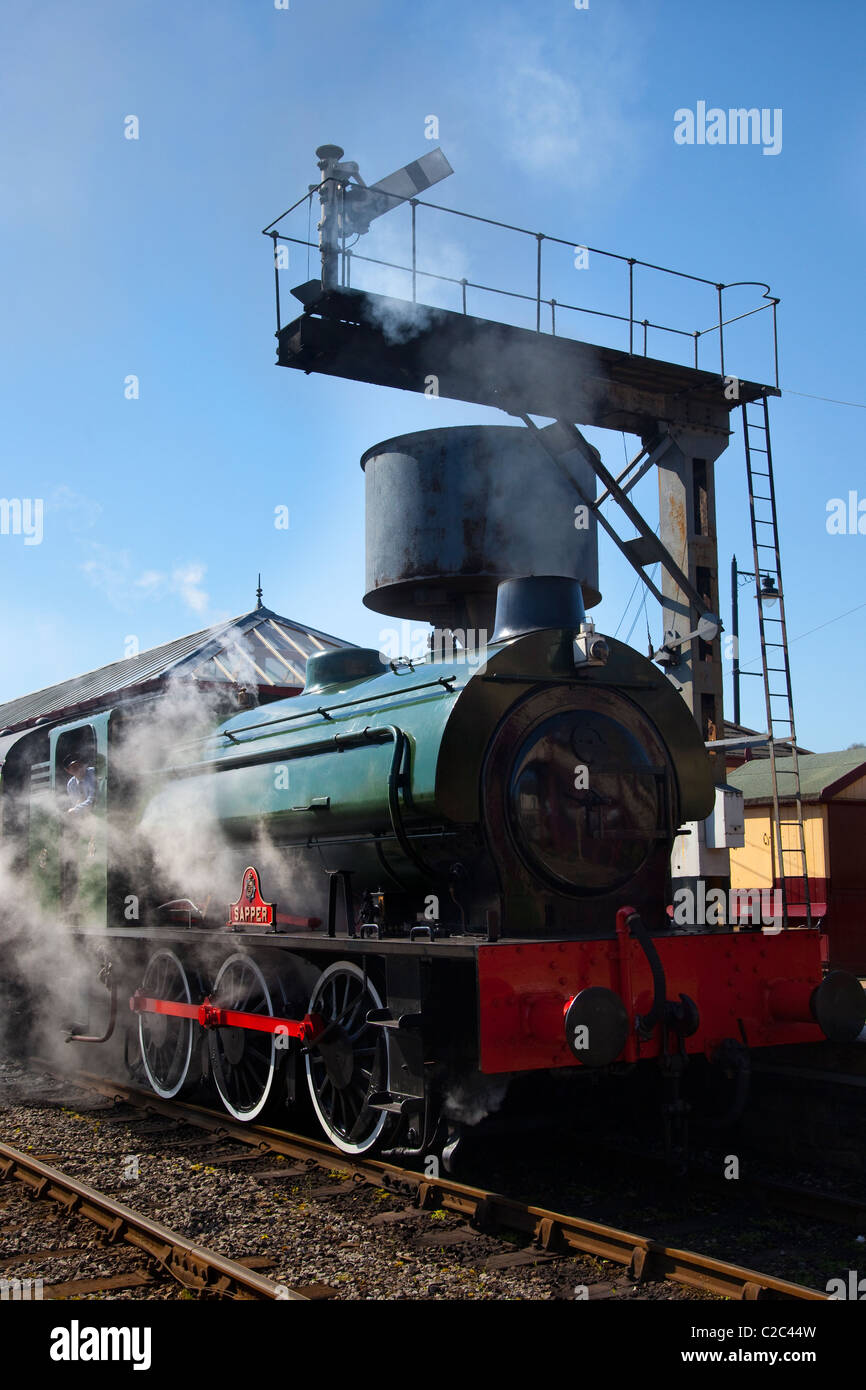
(190, 1264)
(804, 1201)
(554, 1232)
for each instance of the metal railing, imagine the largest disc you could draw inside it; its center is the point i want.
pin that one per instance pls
(637, 328)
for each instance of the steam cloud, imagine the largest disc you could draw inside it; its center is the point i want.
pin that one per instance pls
(186, 852)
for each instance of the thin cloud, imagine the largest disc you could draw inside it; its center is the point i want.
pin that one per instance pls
(80, 512)
(112, 572)
(552, 122)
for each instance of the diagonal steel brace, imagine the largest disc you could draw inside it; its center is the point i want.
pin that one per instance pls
(652, 549)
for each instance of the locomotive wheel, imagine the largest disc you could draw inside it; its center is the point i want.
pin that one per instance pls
(350, 1060)
(165, 1042)
(244, 1063)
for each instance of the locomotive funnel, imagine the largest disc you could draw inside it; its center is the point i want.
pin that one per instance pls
(452, 512)
(540, 601)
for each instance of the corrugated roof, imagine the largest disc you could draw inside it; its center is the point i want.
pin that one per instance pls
(756, 750)
(819, 774)
(258, 648)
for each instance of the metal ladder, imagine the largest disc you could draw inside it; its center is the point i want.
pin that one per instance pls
(774, 653)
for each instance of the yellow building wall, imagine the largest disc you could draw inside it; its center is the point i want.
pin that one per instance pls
(752, 866)
(856, 791)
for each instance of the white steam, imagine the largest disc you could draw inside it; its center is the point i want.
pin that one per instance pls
(401, 319)
(155, 859)
(473, 1098)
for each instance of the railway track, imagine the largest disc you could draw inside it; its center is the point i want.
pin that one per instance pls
(192, 1266)
(841, 1210)
(546, 1233)
(823, 1075)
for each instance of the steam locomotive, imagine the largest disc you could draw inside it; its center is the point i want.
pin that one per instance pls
(419, 880)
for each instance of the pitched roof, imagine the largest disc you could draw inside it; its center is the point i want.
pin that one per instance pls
(258, 648)
(737, 738)
(821, 775)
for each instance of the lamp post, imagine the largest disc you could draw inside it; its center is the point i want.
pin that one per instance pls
(767, 597)
(769, 592)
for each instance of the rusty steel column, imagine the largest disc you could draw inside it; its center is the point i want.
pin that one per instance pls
(687, 527)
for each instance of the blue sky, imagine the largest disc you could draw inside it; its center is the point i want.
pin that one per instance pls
(144, 257)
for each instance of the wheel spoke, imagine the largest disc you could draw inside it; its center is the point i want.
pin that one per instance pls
(350, 1018)
(244, 1085)
(166, 1062)
(341, 1104)
(343, 997)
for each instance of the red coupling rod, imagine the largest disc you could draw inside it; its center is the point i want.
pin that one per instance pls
(210, 1015)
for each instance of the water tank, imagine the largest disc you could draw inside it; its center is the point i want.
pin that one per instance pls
(452, 512)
